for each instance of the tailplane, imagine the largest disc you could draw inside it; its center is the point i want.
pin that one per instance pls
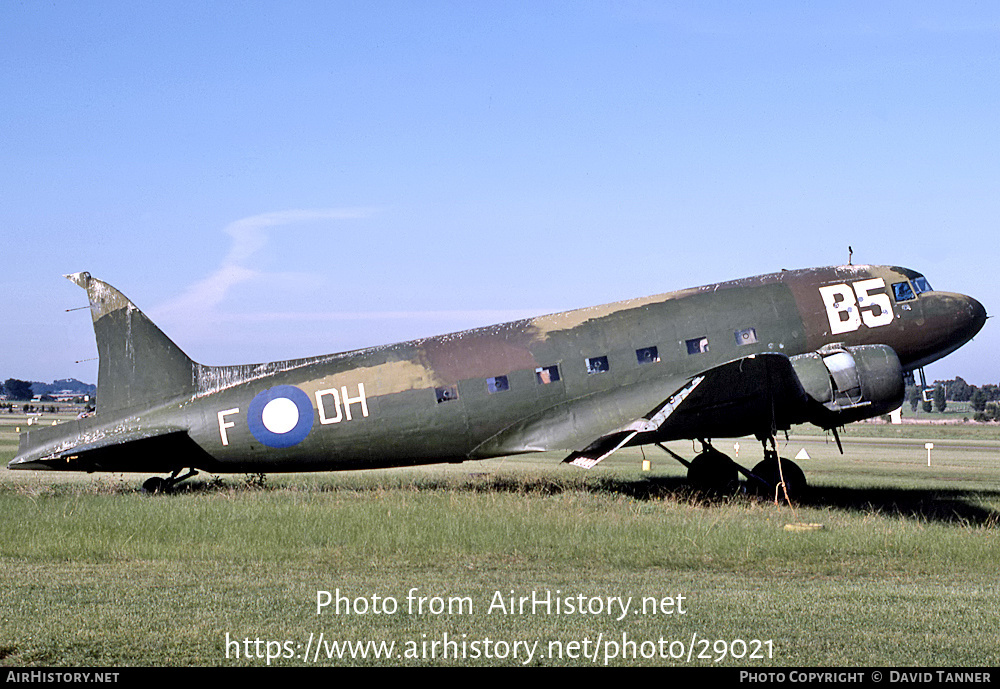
(138, 365)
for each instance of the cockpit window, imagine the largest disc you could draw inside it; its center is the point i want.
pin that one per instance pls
(903, 291)
(921, 285)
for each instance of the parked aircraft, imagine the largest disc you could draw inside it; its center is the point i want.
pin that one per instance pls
(748, 357)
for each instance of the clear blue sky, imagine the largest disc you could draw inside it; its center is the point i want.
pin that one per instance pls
(273, 180)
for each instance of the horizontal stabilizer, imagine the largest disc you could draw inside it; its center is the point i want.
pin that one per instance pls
(96, 449)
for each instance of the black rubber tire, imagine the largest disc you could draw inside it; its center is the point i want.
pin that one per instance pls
(769, 477)
(156, 485)
(714, 471)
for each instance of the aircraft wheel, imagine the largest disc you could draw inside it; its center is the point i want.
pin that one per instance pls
(156, 485)
(770, 476)
(712, 470)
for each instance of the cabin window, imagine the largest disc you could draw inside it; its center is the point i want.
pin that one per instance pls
(746, 336)
(446, 394)
(647, 355)
(547, 374)
(498, 384)
(902, 291)
(597, 364)
(698, 345)
(921, 285)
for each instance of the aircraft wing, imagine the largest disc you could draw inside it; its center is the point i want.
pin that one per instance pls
(742, 397)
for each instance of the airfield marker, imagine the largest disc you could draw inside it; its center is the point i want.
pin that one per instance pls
(929, 447)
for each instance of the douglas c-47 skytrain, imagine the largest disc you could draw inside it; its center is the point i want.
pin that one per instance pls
(748, 357)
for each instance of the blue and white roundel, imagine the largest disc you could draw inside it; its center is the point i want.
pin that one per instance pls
(281, 416)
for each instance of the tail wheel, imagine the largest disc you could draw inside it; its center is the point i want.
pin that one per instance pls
(155, 485)
(165, 485)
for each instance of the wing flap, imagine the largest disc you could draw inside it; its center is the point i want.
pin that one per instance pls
(607, 445)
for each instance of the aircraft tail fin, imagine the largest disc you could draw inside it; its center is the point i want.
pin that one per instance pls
(138, 364)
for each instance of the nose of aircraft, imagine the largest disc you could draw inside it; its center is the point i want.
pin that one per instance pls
(977, 315)
(953, 319)
(968, 317)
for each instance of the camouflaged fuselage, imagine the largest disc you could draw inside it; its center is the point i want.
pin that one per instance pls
(558, 382)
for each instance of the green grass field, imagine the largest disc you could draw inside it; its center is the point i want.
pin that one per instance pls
(227, 572)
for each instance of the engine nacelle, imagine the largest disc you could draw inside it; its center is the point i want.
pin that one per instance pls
(850, 383)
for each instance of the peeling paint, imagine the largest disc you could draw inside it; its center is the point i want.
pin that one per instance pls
(149, 389)
(103, 297)
(567, 320)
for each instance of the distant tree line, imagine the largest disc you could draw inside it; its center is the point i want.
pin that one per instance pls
(23, 390)
(17, 389)
(29, 408)
(983, 399)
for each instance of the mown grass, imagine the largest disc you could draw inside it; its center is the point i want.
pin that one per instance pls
(629, 522)
(902, 572)
(954, 430)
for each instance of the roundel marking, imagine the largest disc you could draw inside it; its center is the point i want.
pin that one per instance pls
(281, 416)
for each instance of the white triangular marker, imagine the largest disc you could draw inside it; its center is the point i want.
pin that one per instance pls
(802, 454)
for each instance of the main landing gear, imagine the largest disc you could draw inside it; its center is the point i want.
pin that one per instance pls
(166, 485)
(774, 477)
(779, 479)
